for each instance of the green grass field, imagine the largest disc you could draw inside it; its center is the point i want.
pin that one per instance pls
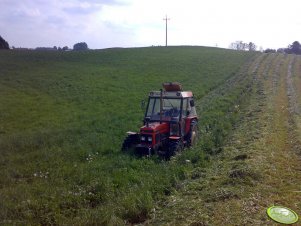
(63, 117)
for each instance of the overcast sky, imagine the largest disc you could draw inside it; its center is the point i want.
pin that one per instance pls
(135, 23)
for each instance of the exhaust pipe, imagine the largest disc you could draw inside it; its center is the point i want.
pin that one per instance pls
(161, 105)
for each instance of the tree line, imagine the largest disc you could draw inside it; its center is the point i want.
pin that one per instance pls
(78, 46)
(240, 45)
(294, 48)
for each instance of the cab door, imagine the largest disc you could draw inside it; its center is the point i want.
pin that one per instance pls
(184, 121)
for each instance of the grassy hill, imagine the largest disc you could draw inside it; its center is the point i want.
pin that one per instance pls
(259, 165)
(63, 117)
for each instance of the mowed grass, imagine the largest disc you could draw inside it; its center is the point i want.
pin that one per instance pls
(63, 117)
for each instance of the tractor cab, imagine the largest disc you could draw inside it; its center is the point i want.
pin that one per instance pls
(170, 104)
(170, 122)
(171, 109)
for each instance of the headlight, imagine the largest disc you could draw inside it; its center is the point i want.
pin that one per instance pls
(174, 129)
(150, 139)
(142, 138)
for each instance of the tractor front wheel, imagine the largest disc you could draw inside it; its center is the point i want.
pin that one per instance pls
(174, 147)
(130, 141)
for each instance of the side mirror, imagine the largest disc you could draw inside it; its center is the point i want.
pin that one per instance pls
(192, 103)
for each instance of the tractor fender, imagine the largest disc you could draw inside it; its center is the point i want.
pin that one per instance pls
(192, 135)
(131, 139)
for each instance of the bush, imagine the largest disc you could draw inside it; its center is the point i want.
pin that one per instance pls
(3, 44)
(80, 46)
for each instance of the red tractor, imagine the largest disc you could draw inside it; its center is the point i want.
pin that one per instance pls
(170, 123)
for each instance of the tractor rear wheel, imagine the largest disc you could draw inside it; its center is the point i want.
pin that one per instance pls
(193, 134)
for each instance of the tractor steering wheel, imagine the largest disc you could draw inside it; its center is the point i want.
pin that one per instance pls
(174, 112)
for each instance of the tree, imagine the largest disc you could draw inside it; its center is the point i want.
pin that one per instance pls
(239, 45)
(252, 46)
(270, 51)
(3, 44)
(294, 48)
(80, 46)
(281, 50)
(65, 48)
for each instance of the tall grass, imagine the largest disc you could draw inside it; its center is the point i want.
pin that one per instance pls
(63, 117)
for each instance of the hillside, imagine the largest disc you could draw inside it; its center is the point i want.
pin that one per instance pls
(64, 116)
(260, 162)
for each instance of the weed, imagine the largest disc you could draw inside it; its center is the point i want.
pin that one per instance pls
(64, 116)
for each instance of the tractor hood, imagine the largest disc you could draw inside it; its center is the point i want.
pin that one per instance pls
(155, 127)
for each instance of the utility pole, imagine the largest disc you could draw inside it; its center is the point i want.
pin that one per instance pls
(166, 19)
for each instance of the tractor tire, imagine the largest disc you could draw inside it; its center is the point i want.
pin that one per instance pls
(130, 141)
(193, 134)
(173, 148)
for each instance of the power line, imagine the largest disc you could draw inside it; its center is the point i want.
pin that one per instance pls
(166, 19)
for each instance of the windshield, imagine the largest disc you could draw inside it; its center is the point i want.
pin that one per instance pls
(171, 109)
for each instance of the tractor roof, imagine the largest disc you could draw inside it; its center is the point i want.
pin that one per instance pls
(172, 90)
(172, 86)
(173, 94)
